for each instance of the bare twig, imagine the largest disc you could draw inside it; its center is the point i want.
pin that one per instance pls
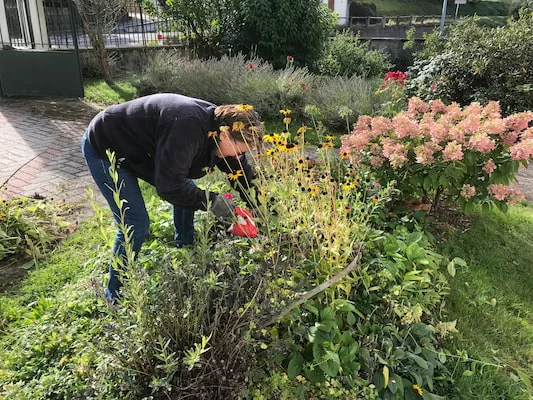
(313, 292)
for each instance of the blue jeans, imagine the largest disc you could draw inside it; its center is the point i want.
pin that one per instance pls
(135, 214)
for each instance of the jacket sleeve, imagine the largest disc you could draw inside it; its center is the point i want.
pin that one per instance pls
(243, 184)
(177, 145)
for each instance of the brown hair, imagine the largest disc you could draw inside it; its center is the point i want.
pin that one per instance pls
(243, 122)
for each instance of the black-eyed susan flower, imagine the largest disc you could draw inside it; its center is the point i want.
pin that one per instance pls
(418, 389)
(330, 137)
(234, 176)
(237, 126)
(212, 134)
(270, 151)
(343, 155)
(313, 190)
(287, 120)
(285, 112)
(224, 128)
(268, 138)
(244, 107)
(327, 145)
(301, 130)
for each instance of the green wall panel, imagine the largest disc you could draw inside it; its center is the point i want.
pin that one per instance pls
(40, 73)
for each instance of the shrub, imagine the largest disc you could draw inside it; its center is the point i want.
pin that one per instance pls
(331, 94)
(479, 64)
(275, 29)
(230, 80)
(468, 155)
(346, 54)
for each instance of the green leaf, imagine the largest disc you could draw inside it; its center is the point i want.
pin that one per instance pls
(459, 261)
(395, 384)
(327, 314)
(315, 375)
(385, 376)
(468, 373)
(413, 251)
(419, 361)
(295, 365)
(526, 380)
(451, 268)
(350, 318)
(330, 363)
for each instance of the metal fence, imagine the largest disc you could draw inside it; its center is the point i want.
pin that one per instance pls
(135, 28)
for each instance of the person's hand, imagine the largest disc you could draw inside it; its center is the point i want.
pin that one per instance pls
(223, 206)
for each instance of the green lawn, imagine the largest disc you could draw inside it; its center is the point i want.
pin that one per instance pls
(492, 300)
(102, 94)
(434, 7)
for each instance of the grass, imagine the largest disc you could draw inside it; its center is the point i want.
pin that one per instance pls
(434, 7)
(102, 94)
(492, 300)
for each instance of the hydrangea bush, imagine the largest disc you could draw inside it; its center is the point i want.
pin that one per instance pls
(435, 151)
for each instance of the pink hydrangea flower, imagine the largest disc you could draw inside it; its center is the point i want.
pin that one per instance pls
(437, 107)
(417, 105)
(522, 150)
(453, 151)
(482, 142)
(492, 110)
(380, 126)
(489, 166)
(468, 191)
(514, 196)
(498, 190)
(405, 126)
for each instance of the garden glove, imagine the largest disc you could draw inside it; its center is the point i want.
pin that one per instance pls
(245, 225)
(223, 206)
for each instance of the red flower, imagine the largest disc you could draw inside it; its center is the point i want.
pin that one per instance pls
(397, 76)
(251, 65)
(290, 59)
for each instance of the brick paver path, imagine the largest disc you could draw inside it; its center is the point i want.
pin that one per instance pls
(40, 151)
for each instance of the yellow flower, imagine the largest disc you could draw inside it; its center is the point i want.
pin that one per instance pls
(313, 189)
(330, 137)
(269, 138)
(237, 126)
(287, 120)
(418, 389)
(285, 112)
(302, 129)
(327, 145)
(244, 107)
(212, 134)
(349, 186)
(270, 151)
(343, 155)
(235, 176)
(300, 378)
(374, 199)
(224, 128)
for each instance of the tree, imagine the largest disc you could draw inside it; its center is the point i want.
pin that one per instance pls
(99, 18)
(201, 21)
(275, 29)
